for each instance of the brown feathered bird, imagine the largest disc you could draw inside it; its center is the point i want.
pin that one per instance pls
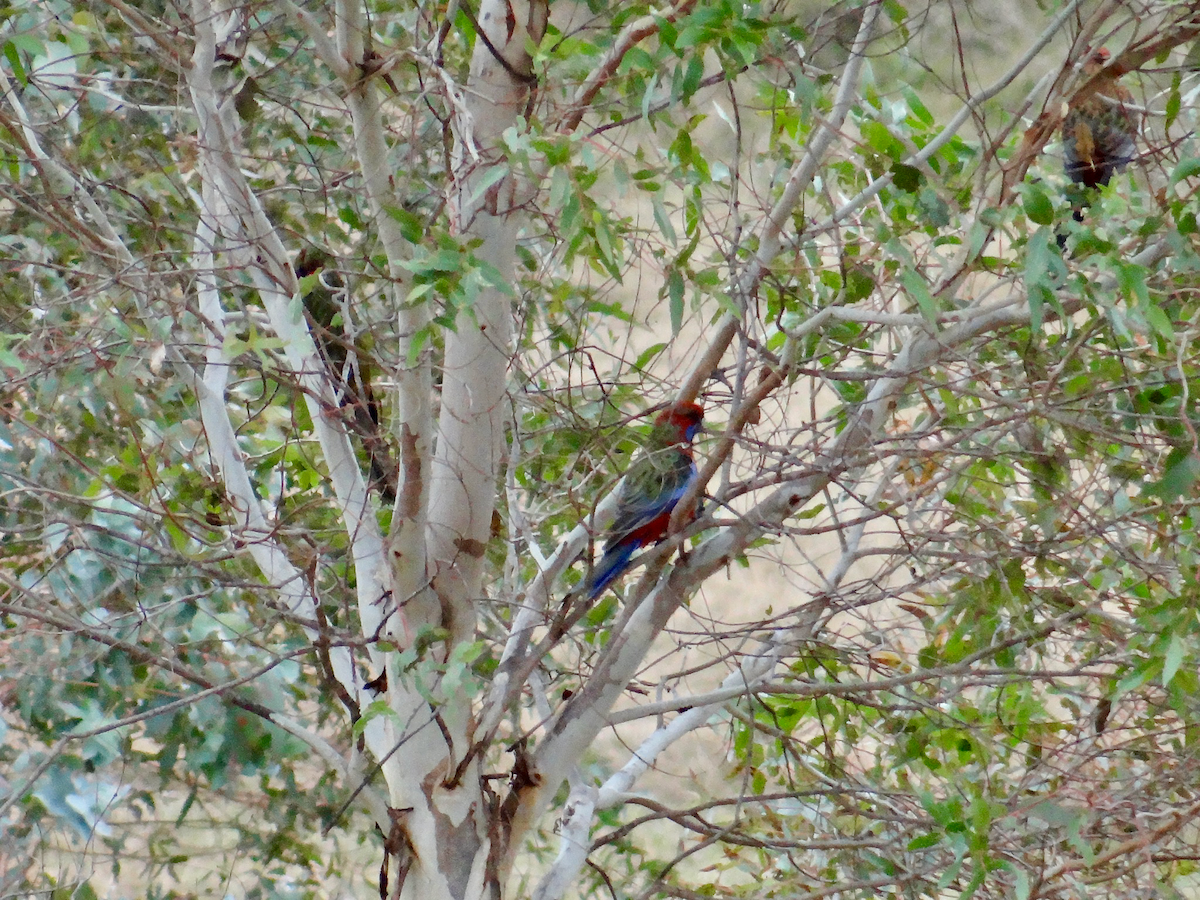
(348, 364)
(1099, 132)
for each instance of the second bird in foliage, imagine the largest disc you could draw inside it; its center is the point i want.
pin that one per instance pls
(652, 487)
(1099, 132)
(348, 365)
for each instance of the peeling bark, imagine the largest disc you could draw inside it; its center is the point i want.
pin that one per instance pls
(464, 471)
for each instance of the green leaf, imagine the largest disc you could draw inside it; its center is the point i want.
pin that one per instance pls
(811, 513)
(1181, 472)
(1189, 167)
(1038, 206)
(859, 283)
(648, 355)
(1044, 269)
(918, 108)
(1021, 881)
(560, 189)
(906, 178)
(1174, 101)
(1159, 321)
(605, 242)
(417, 293)
(1131, 279)
(436, 263)
(675, 296)
(1132, 682)
(881, 140)
(663, 219)
(14, 60)
(918, 291)
(601, 611)
(187, 805)
(374, 710)
(493, 176)
(693, 75)
(412, 227)
(1173, 659)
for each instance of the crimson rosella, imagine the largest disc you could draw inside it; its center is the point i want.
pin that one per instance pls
(652, 487)
(1099, 132)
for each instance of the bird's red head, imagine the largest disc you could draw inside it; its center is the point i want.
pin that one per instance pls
(1096, 60)
(683, 418)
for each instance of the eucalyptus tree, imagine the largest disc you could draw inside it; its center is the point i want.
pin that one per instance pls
(328, 329)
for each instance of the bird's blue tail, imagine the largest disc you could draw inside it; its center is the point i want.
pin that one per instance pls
(611, 564)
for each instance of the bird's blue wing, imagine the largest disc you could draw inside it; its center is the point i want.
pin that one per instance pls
(650, 489)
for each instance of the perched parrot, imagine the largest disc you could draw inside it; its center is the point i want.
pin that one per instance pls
(1099, 132)
(652, 487)
(349, 365)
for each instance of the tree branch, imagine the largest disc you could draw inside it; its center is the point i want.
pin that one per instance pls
(231, 216)
(631, 35)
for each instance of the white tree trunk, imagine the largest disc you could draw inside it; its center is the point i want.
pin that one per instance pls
(470, 434)
(471, 425)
